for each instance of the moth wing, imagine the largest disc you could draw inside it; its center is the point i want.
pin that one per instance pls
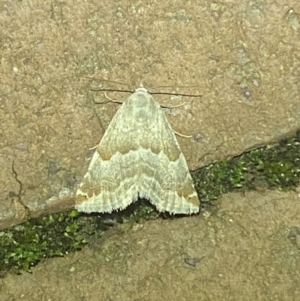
(106, 185)
(165, 179)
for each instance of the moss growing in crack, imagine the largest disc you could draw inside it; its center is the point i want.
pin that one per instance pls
(23, 246)
(214, 180)
(277, 166)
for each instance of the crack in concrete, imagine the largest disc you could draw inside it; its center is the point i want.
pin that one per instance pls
(17, 202)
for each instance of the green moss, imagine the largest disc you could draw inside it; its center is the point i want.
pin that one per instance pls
(214, 180)
(23, 246)
(277, 166)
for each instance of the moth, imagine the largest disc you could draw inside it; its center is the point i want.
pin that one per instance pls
(138, 157)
